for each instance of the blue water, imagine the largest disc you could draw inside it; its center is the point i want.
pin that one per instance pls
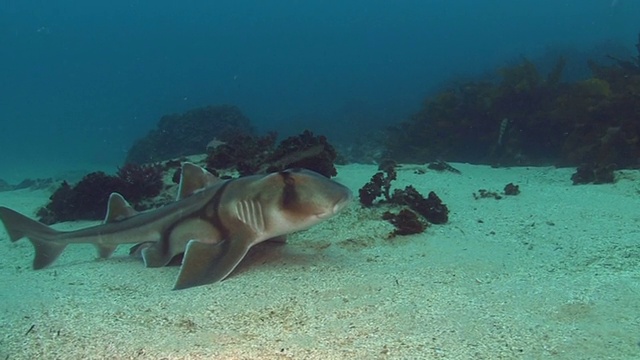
(81, 80)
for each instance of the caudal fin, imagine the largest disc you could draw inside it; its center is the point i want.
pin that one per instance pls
(41, 236)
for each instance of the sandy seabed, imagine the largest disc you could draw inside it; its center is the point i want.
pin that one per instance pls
(553, 273)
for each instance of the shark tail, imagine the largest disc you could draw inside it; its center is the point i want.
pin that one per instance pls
(41, 236)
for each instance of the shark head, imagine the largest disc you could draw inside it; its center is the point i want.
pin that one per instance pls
(254, 209)
(301, 198)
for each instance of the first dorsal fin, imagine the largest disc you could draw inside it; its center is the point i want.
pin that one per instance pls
(194, 178)
(118, 209)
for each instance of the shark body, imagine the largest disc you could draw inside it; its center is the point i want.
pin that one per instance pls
(213, 222)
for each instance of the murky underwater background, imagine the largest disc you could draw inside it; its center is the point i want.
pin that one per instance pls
(83, 80)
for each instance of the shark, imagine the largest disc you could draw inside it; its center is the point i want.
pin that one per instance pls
(213, 223)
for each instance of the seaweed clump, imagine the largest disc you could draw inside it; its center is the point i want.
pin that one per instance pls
(258, 155)
(510, 189)
(430, 208)
(379, 185)
(405, 221)
(530, 118)
(88, 199)
(185, 134)
(590, 173)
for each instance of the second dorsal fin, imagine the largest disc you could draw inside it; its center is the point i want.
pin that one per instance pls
(194, 178)
(118, 209)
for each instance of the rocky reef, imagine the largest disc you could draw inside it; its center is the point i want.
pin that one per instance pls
(189, 133)
(527, 118)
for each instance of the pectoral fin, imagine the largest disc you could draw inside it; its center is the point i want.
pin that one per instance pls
(206, 263)
(151, 254)
(154, 257)
(136, 250)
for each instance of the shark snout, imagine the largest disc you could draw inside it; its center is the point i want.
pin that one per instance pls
(342, 201)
